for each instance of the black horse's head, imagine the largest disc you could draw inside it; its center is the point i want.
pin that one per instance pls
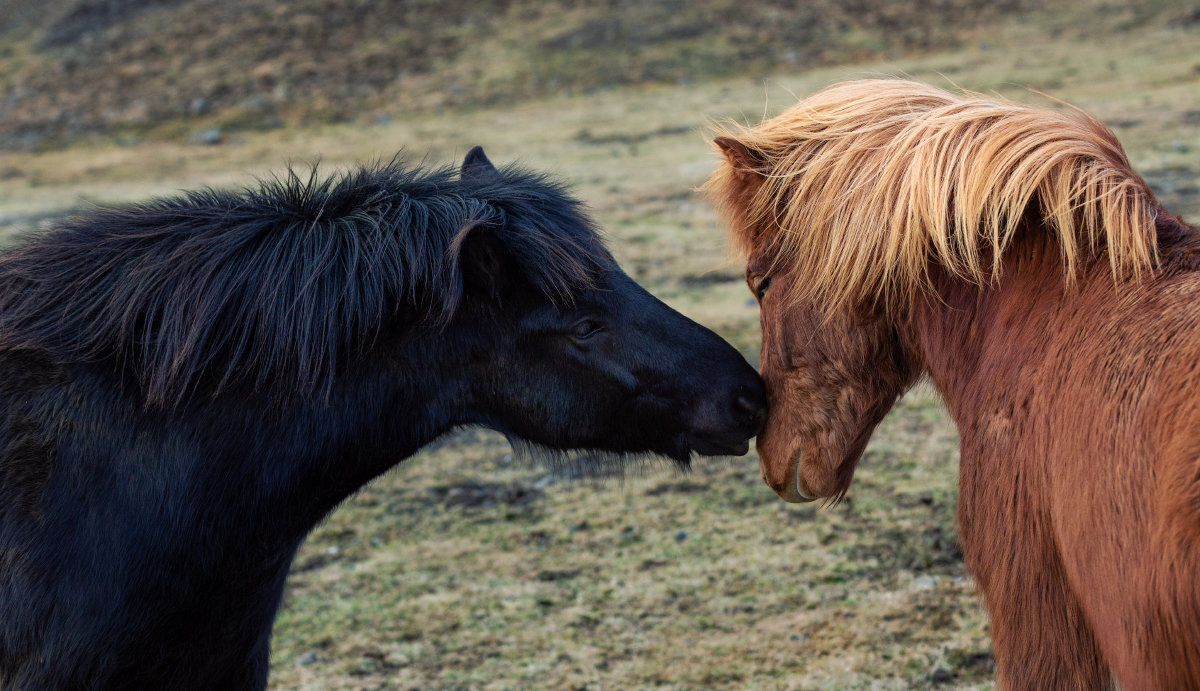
(426, 299)
(563, 349)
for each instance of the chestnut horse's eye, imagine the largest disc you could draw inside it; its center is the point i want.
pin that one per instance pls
(761, 288)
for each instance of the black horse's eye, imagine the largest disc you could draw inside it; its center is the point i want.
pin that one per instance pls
(761, 289)
(586, 329)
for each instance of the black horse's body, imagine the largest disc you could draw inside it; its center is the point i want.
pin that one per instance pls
(188, 387)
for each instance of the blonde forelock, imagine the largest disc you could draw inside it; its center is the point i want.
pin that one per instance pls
(868, 184)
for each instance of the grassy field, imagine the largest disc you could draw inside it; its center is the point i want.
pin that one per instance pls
(466, 568)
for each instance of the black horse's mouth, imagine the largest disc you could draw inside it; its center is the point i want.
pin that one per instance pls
(710, 445)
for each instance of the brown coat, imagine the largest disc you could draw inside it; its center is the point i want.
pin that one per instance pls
(1009, 253)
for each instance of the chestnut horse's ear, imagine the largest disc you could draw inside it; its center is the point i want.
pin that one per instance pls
(744, 160)
(477, 168)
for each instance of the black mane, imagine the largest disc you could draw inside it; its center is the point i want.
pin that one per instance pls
(279, 283)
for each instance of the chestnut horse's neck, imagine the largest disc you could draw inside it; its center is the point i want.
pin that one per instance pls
(989, 346)
(1077, 419)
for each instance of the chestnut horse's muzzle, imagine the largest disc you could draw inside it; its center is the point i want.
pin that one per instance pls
(791, 487)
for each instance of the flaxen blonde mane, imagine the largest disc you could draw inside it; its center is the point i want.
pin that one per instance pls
(865, 185)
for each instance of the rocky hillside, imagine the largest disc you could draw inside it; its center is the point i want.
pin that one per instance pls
(159, 68)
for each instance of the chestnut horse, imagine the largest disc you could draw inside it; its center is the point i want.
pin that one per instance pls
(894, 230)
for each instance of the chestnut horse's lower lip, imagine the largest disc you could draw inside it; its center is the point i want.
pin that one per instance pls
(796, 491)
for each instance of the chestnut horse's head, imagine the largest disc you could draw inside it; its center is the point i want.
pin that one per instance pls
(854, 205)
(831, 375)
(832, 370)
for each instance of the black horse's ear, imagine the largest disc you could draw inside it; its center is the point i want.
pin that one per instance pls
(482, 261)
(745, 161)
(477, 168)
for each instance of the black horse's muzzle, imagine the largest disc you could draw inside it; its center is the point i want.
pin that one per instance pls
(737, 418)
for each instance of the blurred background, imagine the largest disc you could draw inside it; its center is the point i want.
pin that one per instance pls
(465, 568)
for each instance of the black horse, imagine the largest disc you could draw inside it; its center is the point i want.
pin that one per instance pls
(188, 386)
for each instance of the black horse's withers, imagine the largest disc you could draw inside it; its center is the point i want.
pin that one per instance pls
(188, 386)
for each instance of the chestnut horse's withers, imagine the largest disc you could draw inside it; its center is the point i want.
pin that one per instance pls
(893, 230)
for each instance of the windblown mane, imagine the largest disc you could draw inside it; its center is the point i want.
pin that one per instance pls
(866, 184)
(280, 283)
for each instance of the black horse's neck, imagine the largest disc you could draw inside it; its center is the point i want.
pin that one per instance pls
(203, 507)
(286, 467)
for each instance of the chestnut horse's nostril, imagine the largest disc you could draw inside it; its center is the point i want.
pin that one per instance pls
(750, 408)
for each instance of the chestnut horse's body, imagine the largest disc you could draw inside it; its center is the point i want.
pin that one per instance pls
(1079, 507)
(1011, 255)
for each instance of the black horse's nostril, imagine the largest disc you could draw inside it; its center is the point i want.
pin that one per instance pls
(750, 408)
